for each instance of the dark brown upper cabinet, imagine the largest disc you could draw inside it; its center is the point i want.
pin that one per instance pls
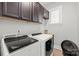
(0, 8)
(11, 9)
(46, 14)
(29, 11)
(25, 12)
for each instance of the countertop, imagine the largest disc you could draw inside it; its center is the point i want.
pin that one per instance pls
(42, 37)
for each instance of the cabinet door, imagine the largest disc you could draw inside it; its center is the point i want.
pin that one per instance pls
(0, 8)
(11, 9)
(41, 13)
(35, 12)
(46, 14)
(26, 10)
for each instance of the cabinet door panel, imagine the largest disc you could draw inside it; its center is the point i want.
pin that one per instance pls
(11, 9)
(41, 13)
(26, 12)
(35, 12)
(0, 8)
(46, 14)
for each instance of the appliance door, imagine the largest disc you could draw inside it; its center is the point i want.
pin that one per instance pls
(49, 46)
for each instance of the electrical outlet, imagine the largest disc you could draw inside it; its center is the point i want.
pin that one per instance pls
(18, 31)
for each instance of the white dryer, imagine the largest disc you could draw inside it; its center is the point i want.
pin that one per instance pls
(46, 43)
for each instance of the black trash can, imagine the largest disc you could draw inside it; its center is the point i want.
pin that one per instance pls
(69, 48)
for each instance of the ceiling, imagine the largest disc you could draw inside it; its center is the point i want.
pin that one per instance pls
(48, 5)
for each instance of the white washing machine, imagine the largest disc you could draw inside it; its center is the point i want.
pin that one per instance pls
(19, 46)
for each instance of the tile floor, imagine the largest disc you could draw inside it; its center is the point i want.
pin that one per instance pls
(57, 52)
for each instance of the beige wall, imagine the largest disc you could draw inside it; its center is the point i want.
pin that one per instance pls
(11, 26)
